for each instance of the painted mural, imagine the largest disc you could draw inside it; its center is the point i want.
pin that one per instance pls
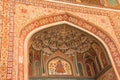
(34, 63)
(87, 58)
(59, 67)
(112, 3)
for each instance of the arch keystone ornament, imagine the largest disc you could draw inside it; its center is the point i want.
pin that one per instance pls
(65, 18)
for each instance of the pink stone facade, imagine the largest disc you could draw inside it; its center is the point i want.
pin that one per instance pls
(19, 19)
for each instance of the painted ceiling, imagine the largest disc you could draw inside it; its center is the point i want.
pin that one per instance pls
(67, 39)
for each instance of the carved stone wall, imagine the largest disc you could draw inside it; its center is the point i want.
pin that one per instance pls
(16, 15)
(99, 18)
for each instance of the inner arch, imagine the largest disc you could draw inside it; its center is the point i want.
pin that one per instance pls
(88, 54)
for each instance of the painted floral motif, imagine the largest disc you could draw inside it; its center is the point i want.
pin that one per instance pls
(63, 37)
(23, 14)
(59, 67)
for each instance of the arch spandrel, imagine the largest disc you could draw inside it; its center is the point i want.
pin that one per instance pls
(92, 29)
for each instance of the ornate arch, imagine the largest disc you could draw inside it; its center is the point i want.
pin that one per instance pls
(61, 55)
(79, 23)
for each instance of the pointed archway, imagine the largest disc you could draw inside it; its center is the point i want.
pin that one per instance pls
(79, 23)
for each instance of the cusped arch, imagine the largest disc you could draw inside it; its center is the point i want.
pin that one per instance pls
(62, 56)
(75, 21)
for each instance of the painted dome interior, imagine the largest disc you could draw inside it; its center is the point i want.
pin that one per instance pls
(64, 50)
